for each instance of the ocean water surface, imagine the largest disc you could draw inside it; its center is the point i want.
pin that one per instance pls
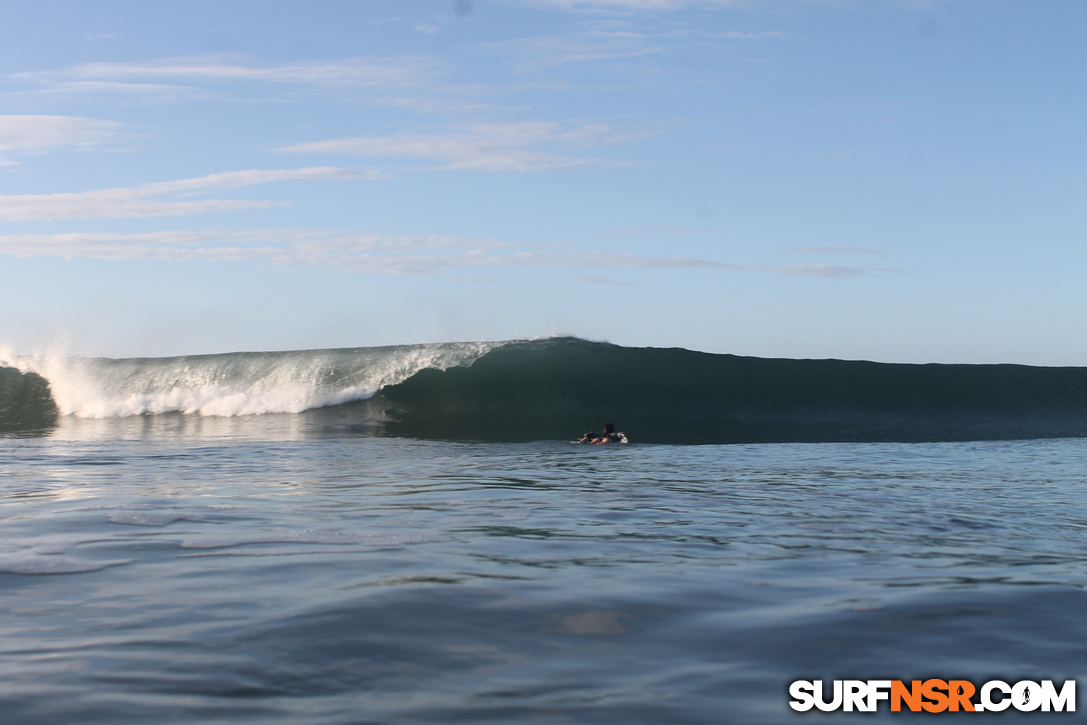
(307, 567)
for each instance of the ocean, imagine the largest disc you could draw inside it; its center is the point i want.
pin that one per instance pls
(407, 535)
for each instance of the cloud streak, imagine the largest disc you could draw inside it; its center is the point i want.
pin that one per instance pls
(657, 231)
(163, 91)
(625, 4)
(40, 133)
(415, 82)
(837, 250)
(597, 279)
(146, 200)
(576, 47)
(368, 253)
(402, 71)
(671, 5)
(483, 147)
(195, 78)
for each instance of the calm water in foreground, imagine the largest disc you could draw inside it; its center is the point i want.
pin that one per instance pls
(246, 573)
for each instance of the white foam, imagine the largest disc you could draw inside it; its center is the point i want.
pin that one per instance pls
(233, 384)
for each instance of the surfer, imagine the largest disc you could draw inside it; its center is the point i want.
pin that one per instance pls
(608, 436)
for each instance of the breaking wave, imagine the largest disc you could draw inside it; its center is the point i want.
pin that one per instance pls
(234, 384)
(558, 388)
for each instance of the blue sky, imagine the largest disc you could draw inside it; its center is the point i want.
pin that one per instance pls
(878, 179)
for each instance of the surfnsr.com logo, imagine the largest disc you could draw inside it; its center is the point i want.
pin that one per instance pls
(934, 696)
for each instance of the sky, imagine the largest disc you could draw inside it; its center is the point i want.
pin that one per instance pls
(891, 180)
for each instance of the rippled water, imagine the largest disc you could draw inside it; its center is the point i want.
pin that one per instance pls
(210, 578)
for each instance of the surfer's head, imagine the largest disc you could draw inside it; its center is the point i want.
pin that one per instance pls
(609, 427)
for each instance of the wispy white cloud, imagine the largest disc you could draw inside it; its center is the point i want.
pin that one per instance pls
(739, 35)
(279, 246)
(164, 91)
(669, 5)
(836, 250)
(657, 231)
(829, 271)
(404, 71)
(612, 41)
(594, 45)
(625, 4)
(146, 200)
(38, 133)
(476, 278)
(483, 147)
(597, 279)
(370, 253)
(417, 83)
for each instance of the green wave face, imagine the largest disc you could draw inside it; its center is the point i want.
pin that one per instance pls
(558, 389)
